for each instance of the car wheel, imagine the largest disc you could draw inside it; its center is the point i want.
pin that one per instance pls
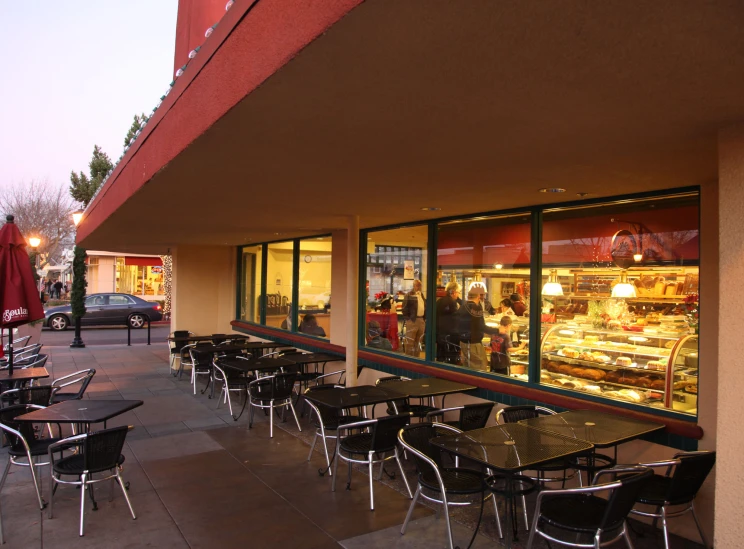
(137, 320)
(58, 323)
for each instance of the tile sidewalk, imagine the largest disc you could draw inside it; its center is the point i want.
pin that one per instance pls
(200, 479)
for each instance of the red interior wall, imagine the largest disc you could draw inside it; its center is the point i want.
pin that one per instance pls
(194, 18)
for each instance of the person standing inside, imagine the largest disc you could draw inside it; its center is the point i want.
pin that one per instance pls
(473, 327)
(58, 289)
(414, 313)
(448, 341)
(501, 347)
(518, 305)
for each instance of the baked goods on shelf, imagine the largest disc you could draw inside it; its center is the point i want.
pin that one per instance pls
(623, 361)
(655, 365)
(591, 338)
(570, 353)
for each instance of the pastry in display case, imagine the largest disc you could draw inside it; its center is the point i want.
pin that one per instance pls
(653, 362)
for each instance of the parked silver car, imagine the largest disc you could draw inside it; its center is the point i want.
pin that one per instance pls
(104, 309)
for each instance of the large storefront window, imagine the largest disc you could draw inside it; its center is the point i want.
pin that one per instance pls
(483, 292)
(396, 281)
(140, 276)
(619, 301)
(250, 286)
(315, 287)
(279, 284)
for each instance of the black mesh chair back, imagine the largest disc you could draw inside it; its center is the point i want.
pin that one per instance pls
(102, 449)
(83, 377)
(329, 417)
(276, 387)
(689, 475)
(218, 339)
(38, 361)
(8, 418)
(178, 345)
(401, 404)
(385, 432)
(622, 499)
(202, 360)
(40, 395)
(419, 437)
(513, 414)
(475, 416)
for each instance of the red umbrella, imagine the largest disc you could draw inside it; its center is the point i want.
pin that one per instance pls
(19, 299)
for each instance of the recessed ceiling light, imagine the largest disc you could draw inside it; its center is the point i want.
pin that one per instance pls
(553, 190)
(582, 195)
(430, 209)
(278, 234)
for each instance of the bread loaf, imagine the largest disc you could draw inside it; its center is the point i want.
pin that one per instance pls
(643, 382)
(594, 374)
(565, 369)
(658, 384)
(612, 377)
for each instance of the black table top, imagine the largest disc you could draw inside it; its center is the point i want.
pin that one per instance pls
(427, 387)
(254, 364)
(80, 411)
(310, 358)
(20, 374)
(512, 447)
(224, 348)
(195, 338)
(601, 429)
(352, 397)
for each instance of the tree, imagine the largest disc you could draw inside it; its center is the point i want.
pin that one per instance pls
(83, 187)
(79, 283)
(139, 121)
(42, 210)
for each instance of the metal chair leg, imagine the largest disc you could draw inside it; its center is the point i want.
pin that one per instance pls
(294, 413)
(335, 470)
(371, 482)
(524, 513)
(82, 502)
(36, 482)
(626, 535)
(498, 518)
(664, 527)
(271, 419)
(697, 523)
(52, 485)
(410, 510)
(124, 491)
(402, 474)
(312, 446)
(5, 474)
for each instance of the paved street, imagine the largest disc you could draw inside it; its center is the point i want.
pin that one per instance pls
(105, 335)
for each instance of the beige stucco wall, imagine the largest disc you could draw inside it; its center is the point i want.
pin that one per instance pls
(204, 287)
(729, 505)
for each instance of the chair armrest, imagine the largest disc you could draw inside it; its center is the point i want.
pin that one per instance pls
(68, 376)
(441, 411)
(337, 372)
(262, 379)
(570, 491)
(618, 469)
(356, 424)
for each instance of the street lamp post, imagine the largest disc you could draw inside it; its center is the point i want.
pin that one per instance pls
(77, 341)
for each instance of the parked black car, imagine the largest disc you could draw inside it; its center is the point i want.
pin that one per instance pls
(106, 309)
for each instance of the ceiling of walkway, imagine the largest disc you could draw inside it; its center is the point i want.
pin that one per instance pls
(464, 106)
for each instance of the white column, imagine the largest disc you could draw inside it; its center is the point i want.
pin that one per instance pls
(352, 298)
(729, 505)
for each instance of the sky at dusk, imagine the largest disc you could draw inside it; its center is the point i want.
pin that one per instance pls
(74, 73)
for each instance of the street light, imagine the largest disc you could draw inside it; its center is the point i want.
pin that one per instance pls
(77, 341)
(34, 242)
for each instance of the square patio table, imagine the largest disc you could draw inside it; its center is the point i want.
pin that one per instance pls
(601, 429)
(509, 449)
(81, 412)
(196, 338)
(19, 374)
(247, 365)
(427, 387)
(352, 397)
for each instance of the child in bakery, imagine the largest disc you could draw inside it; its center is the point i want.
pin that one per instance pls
(502, 347)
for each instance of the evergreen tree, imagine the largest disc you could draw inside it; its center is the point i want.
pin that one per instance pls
(83, 187)
(79, 283)
(139, 121)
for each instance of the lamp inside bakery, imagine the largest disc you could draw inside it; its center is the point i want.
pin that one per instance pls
(623, 289)
(552, 286)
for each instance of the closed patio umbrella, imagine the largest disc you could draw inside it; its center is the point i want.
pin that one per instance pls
(19, 298)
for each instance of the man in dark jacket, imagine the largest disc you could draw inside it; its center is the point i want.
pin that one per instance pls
(414, 313)
(472, 329)
(448, 340)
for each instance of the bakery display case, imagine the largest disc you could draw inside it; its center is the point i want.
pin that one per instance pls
(654, 365)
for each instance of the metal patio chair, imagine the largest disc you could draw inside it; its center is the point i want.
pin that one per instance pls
(83, 377)
(471, 416)
(270, 393)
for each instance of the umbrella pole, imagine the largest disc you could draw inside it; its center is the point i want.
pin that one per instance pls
(10, 351)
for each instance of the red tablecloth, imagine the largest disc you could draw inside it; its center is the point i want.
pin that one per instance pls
(388, 326)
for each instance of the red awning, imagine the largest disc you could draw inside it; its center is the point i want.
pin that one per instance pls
(143, 261)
